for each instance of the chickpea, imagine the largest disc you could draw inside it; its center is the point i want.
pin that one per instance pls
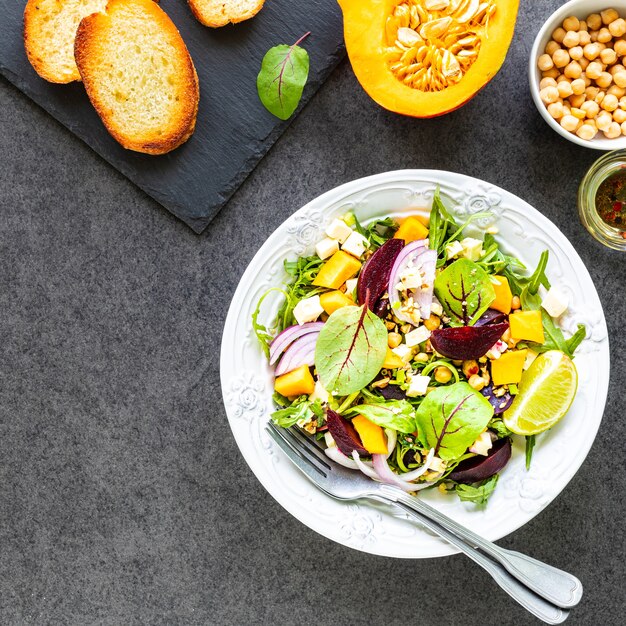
(599, 97)
(610, 102)
(560, 78)
(613, 131)
(586, 132)
(571, 23)
(432, 323)
(553, 73)
(516, 303)
(470, 368)
(591, 51)
(544, 62)
(603, 120)
(618, 27)
(585, 37)
(604, 80)
(551, 47)
(594, 70)
(592, 92)
(608, 16)
(394, 340)
(583, 64)
(422, 357)
(549, 95)
(619, 116)
(569, 122)
(576, 101)
(443, 374)
(556, 110)
(620, 47)
(618, 67)
(622, 103)
(604, 35)
(547, 82)
(607, 56)
(620, 78)
(565, 89)
(560, 58)
(573, 70)
(582, 26)
(578, 86)
(571, 39)
(559, 34)
(614, 90)
(577, 113)
(575, 53)
(477, 382)
(590, 108)
(594, 21)
(623, 127)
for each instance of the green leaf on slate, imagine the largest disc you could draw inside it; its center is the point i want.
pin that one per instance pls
(283, 75)
(465, 292)
(350, 350)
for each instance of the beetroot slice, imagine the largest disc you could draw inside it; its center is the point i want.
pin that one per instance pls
(374, 276)
(381, 308)
(490, 316)
(466, 342)
(482, 467)
(500, 404)
(344, 434)
(392, 392)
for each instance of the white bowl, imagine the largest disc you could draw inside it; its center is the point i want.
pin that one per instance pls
(247, 380)
(581, 9)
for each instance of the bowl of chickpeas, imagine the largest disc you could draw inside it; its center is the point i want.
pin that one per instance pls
(578, 73)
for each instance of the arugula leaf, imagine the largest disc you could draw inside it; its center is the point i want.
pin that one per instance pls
(260, 330)
(479, 492)
(377, 232)
(283, 75)
(497, 425)
(494, 261)
(299, 410)
(350, 350)
(465, 291)
(530, 444)
(440, 223)
(576, 339)
(450, 419)
(398, 415)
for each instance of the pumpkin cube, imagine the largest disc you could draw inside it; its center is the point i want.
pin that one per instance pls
(295, 383)
(392, 361)
(508, 368)
(527, 325)
(411, 229)
(333, 300)
(504, 295)
(339, 268)
(372, 436)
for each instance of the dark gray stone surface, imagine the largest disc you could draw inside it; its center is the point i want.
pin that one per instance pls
(123, 497)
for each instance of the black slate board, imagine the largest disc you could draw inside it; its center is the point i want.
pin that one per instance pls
(233, 130)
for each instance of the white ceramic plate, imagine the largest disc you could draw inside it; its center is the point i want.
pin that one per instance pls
(520, 495)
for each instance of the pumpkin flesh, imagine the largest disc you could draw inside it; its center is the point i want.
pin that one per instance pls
(422, 61)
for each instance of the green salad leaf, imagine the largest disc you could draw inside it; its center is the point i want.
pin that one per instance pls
(283, 75)
(465, 292)
(376, 232)
(450, 419)
(498, 426)
(440, 223)
(477, 493)
(350, 350)
(530, 445)
(398, 415)
(300, 409)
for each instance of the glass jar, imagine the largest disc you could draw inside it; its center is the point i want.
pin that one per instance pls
(604, 167)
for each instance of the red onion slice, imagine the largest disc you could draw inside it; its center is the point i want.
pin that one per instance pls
(385, 474)
(284, 339)
(300, 352)
(416, 252)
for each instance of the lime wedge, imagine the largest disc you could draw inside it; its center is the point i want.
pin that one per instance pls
(546, 392)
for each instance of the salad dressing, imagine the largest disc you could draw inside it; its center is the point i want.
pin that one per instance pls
(611, 200)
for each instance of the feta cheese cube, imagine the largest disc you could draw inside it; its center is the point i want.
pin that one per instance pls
(410, 278)
(351, 284)
(319, 393)
(338, 230)
(454, 248)
(472, 248)
(418, 386)
(482, 445)
(555, 302)
(417, 336)
(308, 310)
(355, 244)
(404, 352)
(327, 247)
(436, 309)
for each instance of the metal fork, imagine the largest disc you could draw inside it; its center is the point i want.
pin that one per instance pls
(543, 590)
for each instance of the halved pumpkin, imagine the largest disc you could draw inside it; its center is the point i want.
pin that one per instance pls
(426, 57)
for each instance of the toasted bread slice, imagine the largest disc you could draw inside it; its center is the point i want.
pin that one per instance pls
(138, 75)
(49, 32)
(216, 13)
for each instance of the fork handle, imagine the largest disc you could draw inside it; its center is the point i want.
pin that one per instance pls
(555, 585)
(540, 608)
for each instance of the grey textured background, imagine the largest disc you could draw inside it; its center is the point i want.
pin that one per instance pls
(123, 498)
